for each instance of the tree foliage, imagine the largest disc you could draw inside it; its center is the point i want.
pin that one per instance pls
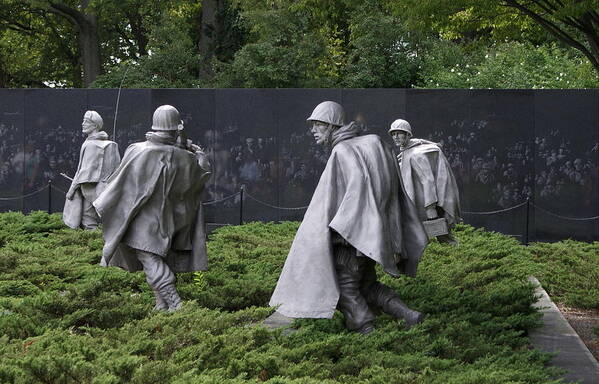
(171, 62)
(574, 23)
(506, 65)
(284, 43)
(85, 36)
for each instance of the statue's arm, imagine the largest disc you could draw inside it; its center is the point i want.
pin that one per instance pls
(202, 158)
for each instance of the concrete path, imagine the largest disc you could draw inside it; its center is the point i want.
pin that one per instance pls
(556, 335)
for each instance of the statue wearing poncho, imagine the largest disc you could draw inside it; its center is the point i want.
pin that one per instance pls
(98, 159)
(428, 180)
(358, 216)
(152, 212)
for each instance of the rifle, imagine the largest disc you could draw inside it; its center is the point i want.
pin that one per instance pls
(66, 176)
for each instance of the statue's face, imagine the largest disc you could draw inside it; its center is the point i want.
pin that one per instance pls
(87, 126)
(400, 138)
(320, 131)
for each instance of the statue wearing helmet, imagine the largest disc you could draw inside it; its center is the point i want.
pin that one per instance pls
(98, 159)
(356, 219)
(152, 208)
(428, 180)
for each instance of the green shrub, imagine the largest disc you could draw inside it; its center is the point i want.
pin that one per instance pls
(505, 65)
(245, 263)
(64, 319)
(569, 271)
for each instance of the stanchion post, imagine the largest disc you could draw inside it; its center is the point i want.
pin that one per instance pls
(241, 205)
(49, 196)
(527, 220)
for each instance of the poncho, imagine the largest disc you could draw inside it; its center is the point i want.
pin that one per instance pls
(428, 179)
(153, 203)
(359, 196)
(98, 159)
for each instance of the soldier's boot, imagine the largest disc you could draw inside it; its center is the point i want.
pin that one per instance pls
(350, 268)
(366, 328)
(397, 308)
(171, 297)
(385, 298)
(161, 305)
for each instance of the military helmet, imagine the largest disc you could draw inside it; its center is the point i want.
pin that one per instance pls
(328, 112)
(94, 118)
(401, 125)
(166, 118)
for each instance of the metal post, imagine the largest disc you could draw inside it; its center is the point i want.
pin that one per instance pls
(241, 205)
(49, 196)
(527, 220)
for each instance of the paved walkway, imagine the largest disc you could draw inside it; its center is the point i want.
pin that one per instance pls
(556, 335)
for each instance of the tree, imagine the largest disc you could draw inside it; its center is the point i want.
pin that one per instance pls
(35, 46)
(505, 65)
(382, 52)
(80, 37)
(283, 51)
(172, 60)
(572, 22)
(220, 33)
(85, 21)
(209, 26)
(309, 43)
(276, 43)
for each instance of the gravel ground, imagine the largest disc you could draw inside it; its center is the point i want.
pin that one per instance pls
(583, 321)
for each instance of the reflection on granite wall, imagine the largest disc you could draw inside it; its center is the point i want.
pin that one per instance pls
(505, 146)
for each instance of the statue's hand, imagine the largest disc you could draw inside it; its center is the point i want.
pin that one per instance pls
(431, 212)
(201, 156)
(196, 148)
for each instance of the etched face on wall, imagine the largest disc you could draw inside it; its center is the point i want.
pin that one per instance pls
(400, 138)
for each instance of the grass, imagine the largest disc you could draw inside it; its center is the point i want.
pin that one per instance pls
(569, 272)
(64, 319)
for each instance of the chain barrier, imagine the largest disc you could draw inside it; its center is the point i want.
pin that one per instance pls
(25, 196)
(274, 206)
(58, 189)
(564, 217)
(498, 211)
(210, 202)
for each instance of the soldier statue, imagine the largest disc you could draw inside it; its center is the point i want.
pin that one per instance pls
(359, 216)
(428, 181)
(152, 208)
(98, 159)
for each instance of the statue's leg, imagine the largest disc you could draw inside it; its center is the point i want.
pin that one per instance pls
(353, 305)
(386, 298)
(160, 305)
(161, 279)
(89, 216)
